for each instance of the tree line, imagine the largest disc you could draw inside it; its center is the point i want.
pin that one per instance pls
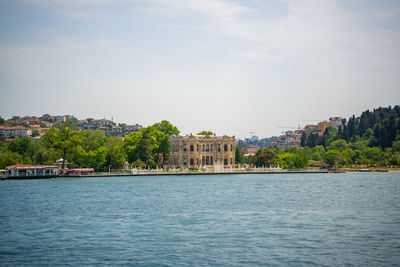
(372, 139)
(92, 148)
(377, 128)
(339, 153)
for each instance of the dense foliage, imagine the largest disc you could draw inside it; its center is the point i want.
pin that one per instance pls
(379, 128)
(338, 154)
(91, 148)
(205, 133)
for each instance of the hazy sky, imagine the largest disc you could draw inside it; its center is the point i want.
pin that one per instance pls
(226, 66)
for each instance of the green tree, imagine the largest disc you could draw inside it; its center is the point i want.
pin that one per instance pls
(162, 149)
(265, 157)
(140, 145)
(339, 145)
(396, 146)
(394, 159)
(72, 120)
(8, 158)
(205, 133)
(1, 120)
(238, 156)
(35, 133)
(331, 157)
(349, 156)
(318, 153)
(167, 128)
(93, 139)
(115, 152)
(64, 139)
(138, 164)
(372, 154)
(25, 147)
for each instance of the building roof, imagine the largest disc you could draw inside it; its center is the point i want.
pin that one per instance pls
(13, 128)
(202, 137)
(30, 167)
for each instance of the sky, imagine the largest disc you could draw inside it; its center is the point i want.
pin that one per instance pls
(233, 67)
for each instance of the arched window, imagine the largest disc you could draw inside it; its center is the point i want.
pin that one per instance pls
(225, 161)
(231, 148)
(225, 148)
(203, 147)
(185, 161)
(184, 147)
(191, 162)
(207, 148)
(211, 147)
(191, 148)
(219, 147)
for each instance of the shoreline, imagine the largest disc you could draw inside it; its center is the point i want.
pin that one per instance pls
(96, 175)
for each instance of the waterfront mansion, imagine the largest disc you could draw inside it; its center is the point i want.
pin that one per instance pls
(202, 151)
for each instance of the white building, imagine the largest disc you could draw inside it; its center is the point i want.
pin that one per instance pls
(17, 131)
(336, 121)
(31, 171)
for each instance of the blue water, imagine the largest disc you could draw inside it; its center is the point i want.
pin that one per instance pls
(223, 220)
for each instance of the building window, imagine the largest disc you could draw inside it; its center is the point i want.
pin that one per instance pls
(225, 147)
(231, 161)
(184, 161)
(203, 161)
(207, 148)
(225, 161)
(219, 147)
(211, 160)
(211, 147)
(184, 147)
(203, 147)
(191, 148)
(192, 162)
(231, 148)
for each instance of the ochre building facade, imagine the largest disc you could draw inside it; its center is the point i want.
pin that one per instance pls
(202, 151)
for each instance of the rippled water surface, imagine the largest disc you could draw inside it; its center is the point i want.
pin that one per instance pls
(222, 220)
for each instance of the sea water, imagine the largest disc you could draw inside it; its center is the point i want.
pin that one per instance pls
(217, 220)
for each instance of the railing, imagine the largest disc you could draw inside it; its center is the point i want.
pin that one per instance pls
(32, 174)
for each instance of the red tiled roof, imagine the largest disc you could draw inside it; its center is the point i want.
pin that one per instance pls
(13, 128)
